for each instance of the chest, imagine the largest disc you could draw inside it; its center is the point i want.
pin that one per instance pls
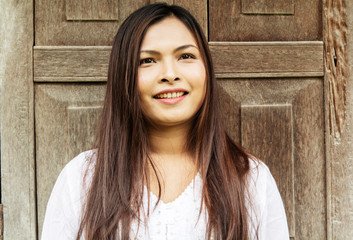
(179, 219)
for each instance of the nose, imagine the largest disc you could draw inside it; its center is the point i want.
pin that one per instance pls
(169, 72)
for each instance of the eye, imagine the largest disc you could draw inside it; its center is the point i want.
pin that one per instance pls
(146, 61)
(187, 56)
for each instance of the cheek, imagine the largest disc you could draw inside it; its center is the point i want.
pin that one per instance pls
(142, 84)
(200, 79)
(146, 78)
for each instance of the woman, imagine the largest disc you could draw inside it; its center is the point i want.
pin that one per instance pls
(164, 167)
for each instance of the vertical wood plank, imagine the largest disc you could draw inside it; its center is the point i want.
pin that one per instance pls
(66, 115)
(17, 153)
(339, 96)
(309, 162)
(230, 112)
(126, 7)
(198, 9)
(81, 124)
(267, 131)
(305, 98)
(92, 10)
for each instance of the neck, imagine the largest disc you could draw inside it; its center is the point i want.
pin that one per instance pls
(170, 141)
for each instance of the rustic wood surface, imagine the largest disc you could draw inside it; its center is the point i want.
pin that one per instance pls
(267, 131)
(92, 10)
(71, 64)
(266, 59)
(338, 37)
(261, 59)
(66, 116)
(286, 86)
(304, 25)
(273, 7)
(17, 132)
(57, 21)
(299, 168)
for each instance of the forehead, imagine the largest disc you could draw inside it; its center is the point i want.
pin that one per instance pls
(169, 31)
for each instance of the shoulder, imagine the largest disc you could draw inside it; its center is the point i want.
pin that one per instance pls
(62, 217)
(77, 174)
(261, 184)
(81, 161)
(74, 178)
(78, 166)
(259, 173)
(266, 203)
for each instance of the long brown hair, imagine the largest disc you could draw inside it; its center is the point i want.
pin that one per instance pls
(115, 194)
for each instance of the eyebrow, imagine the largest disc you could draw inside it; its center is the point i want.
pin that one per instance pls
(175, 50)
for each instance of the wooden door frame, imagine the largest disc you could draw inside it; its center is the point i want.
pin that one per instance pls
(17, 121)
(17, 128)
(338, 88)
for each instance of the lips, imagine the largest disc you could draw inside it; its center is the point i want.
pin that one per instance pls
(170, 94)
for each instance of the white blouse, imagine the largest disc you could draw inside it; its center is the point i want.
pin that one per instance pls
(175, 220)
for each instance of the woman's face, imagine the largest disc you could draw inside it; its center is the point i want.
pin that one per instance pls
(171, 75)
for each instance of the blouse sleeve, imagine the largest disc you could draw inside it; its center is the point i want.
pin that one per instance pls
(62, 217)
(275, 221)
(269, 209)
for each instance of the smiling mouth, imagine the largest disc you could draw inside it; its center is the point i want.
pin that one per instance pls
(170, 95)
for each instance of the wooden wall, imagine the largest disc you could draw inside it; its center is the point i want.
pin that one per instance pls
(17, 121)
(276, 62)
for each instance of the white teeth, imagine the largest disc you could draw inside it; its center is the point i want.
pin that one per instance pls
(170, 95)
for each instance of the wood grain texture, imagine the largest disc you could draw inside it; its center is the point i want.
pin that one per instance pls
(227, 23)
(66, 115)
(95, 10)
(268, 131)
(309, 162)
(70, 64)
(268, 59)
(54, 29)
(17, 135)
(340, 150)
(197, 8)
(276, 7)
(305, 98)
(81, 124)
(230, 112)
(273, 59)
(335, 39)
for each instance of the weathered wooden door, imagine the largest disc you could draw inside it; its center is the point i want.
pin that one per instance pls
(268, 56)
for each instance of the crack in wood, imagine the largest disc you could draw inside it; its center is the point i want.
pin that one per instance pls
(335, 39)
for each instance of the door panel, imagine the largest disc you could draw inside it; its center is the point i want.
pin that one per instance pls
(283, 7)
(265, 20)
(281, 122)
(66, 116)
(267, 59)
(91, 10)
(71, 64)
(91, 22)
(271, 92)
